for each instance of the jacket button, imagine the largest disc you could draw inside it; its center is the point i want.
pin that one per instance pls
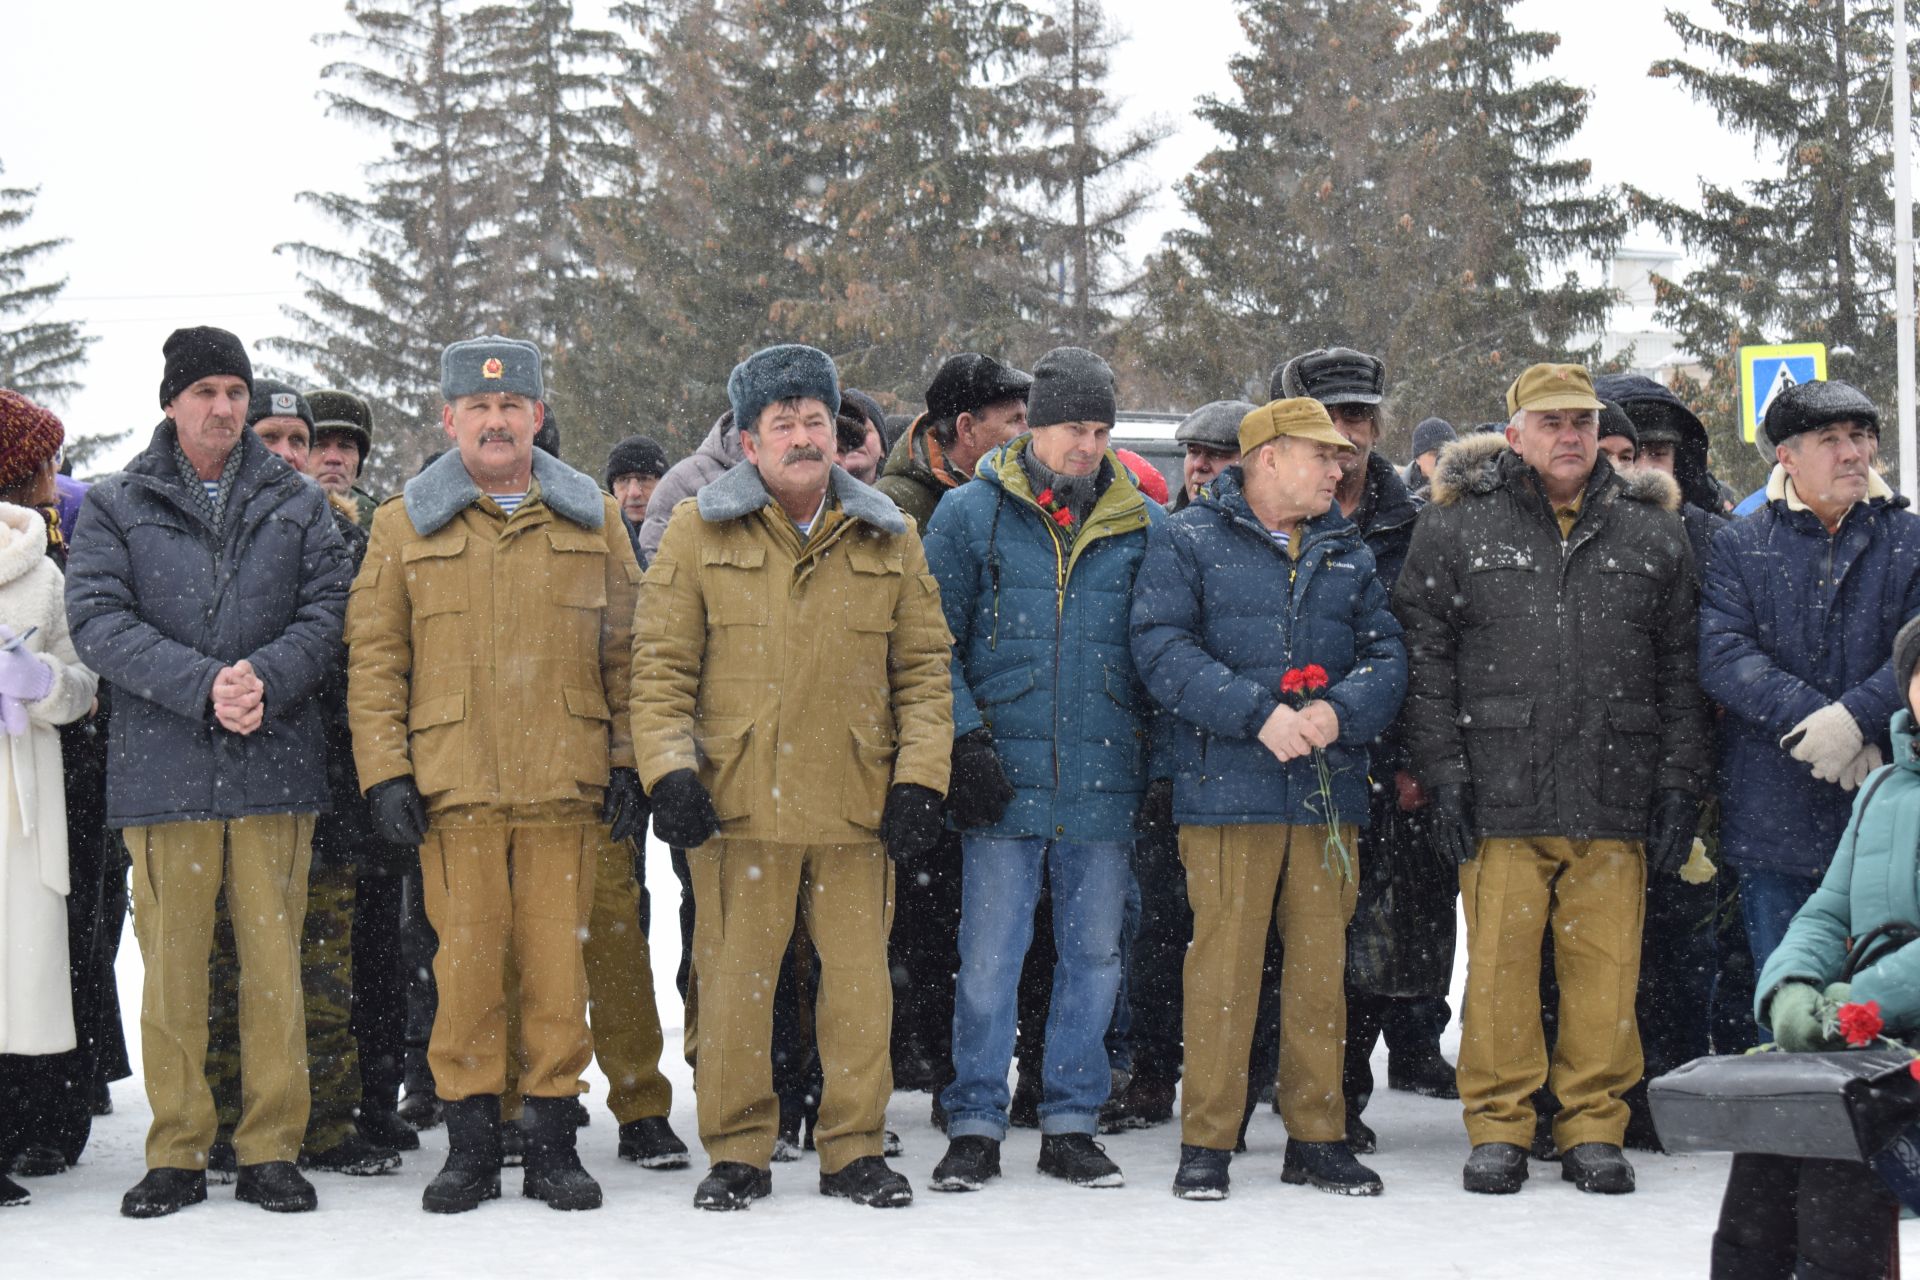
(1059, 831)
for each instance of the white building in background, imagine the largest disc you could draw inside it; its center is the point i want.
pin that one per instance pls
(1632, 323)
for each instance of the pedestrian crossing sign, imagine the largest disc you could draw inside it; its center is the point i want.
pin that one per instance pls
(1767, 371)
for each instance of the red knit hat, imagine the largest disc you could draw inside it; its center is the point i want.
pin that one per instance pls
(29, 435)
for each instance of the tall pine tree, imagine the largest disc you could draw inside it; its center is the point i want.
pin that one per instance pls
(1394, 189)
(1076, 171)
(408, 280)
(1805, 255)
(39, 358)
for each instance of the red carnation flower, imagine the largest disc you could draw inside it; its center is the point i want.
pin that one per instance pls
(1316, 676)
(1861, 1024)
(1044, 497)
(1294, 681)
(1914, 1067)
(1063, 517)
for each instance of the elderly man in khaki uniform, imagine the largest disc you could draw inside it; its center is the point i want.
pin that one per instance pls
(793, 718)
(489, 638)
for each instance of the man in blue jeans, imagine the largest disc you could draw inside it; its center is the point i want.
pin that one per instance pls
(1799, 604)
(1036, 565)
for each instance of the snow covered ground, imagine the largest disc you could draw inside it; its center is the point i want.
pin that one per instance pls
(1424, 1226)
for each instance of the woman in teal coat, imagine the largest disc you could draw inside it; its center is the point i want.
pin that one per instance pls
(1835, 1218)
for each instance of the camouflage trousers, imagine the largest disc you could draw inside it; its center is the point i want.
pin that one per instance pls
(326, 974)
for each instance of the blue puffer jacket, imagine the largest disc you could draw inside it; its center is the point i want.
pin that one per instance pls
(1791, 620)
(1040, 646)
(1220, 613)
(1874, 880)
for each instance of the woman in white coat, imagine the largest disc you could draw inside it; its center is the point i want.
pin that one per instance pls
(42, 686)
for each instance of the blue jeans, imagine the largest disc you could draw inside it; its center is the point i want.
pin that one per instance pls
(1768, 901)
(1000, 885)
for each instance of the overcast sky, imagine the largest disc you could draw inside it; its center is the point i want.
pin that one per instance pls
(169, 141)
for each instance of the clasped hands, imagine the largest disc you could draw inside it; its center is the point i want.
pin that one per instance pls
(1290, 734)
(239, 698)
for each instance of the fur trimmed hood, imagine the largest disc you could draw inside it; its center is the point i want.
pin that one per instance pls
(444, 490)
(741, 491)
(1479, 464)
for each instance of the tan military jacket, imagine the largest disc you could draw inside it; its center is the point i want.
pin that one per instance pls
(799, 678)
(489, 657)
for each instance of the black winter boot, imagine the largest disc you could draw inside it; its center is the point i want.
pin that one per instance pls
(1202, 1174)
(1361, 1139)
(164, 1191)
(38, 1160)
(421, 1108)
(472, 1171)
(1329, 1166)
(222, 1164)
(12, 1193)
(1495, 1169)
(554, 1173)
(1427, 1074)
(1598, 1167)
(651, 1143)
(1077, 1158)
(276, 1186)
(970, 1163)
(869, 1181)
(355, 1156)
(383, 1127)
(732, 1185)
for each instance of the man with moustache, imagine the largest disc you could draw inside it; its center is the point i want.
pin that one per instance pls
(489, 637)
(792, 720)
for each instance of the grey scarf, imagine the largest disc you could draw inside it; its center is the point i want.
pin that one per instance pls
(1076, 493)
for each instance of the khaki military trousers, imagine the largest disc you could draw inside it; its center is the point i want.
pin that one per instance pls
(620, 1008)
(1593, 894)
(179, 869)
(494, 890)
(744, 894)
(1240, 878)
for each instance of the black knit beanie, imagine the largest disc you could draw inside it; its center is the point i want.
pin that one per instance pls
(201, 352)
(1906, 656)
(278, 400)
(1071, 384)
(636, 456)
(1615, 422)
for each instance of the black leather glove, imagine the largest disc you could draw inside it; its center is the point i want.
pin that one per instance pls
(1450, 823)
(979, 793)
(683, 814)
(1670, 828)
(399, 814)
(910, 825)
(1156, 809)
(624, 808)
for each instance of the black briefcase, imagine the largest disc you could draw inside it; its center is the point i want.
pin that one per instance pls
(1846, 1105)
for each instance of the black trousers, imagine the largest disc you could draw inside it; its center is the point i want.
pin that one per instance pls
(1154, 970)
(379, 1022)
(1411, 1025)
(1834, 1219)
(923, 954)
(418, 945)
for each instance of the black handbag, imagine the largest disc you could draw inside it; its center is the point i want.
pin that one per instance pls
(1850, 1104)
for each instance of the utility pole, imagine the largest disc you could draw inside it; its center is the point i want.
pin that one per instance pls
(1903, 243)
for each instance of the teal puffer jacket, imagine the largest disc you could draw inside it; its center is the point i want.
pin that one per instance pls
(1874, 880)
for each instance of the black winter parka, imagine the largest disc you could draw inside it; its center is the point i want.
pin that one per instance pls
(1557, 677)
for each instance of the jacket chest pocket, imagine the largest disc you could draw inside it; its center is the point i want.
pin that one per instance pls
(578, 577)
(1631, 589)
(736, 586)
(1505, 582)
(436, 572)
